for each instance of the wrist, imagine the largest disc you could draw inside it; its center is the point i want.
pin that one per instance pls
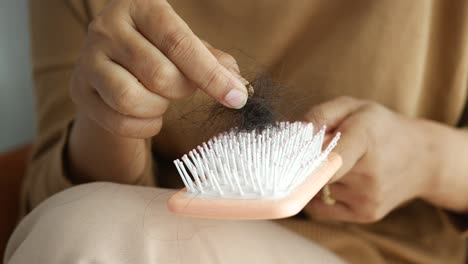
(419, 150)
(430, 152)
(94, 154)
(446, 148)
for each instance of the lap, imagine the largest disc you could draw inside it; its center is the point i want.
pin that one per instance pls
(112, 223)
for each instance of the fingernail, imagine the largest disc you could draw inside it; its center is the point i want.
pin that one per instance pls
(235, 98)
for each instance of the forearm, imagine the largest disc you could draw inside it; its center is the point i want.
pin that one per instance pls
(94, 154)
(449, 148)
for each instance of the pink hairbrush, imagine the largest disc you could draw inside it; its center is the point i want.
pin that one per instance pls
(249, 175)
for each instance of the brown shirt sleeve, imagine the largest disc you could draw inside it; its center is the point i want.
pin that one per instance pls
(58, 29)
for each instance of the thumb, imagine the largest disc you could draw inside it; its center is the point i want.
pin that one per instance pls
(334, 112)
(226, 60)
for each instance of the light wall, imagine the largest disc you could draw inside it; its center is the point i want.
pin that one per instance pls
(16, 92)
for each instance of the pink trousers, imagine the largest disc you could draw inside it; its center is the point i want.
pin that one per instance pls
(112, 223)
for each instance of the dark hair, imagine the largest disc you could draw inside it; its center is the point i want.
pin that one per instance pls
(257, 114)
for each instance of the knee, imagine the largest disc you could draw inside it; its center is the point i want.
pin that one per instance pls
(99, 202)
(83, 222)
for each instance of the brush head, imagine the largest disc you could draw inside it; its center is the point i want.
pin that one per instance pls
(262, 169)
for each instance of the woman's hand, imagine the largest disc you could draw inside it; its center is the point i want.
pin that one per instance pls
(138, 56)
(387, 160)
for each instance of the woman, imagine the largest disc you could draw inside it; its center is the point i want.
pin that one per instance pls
(401, 194)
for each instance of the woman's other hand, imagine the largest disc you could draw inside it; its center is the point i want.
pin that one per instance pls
(388, 159)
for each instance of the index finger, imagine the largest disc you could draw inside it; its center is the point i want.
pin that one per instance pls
(170, 34)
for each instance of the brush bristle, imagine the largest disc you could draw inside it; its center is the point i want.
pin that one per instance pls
(254, 165)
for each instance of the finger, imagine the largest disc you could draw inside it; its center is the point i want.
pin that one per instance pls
(152, 68)
(94, 107)
(190, 55)
(343, 114)
(225, 59)
(340, 192)
(351, 147)
(333, 112)
(353, 198)
(338, 211)
(121, 90)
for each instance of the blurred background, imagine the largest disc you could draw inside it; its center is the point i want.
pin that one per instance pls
(17, 125)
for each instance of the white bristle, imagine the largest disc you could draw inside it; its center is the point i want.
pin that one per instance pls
(251, 165)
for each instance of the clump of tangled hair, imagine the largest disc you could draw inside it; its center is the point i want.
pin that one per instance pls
(257, 114)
